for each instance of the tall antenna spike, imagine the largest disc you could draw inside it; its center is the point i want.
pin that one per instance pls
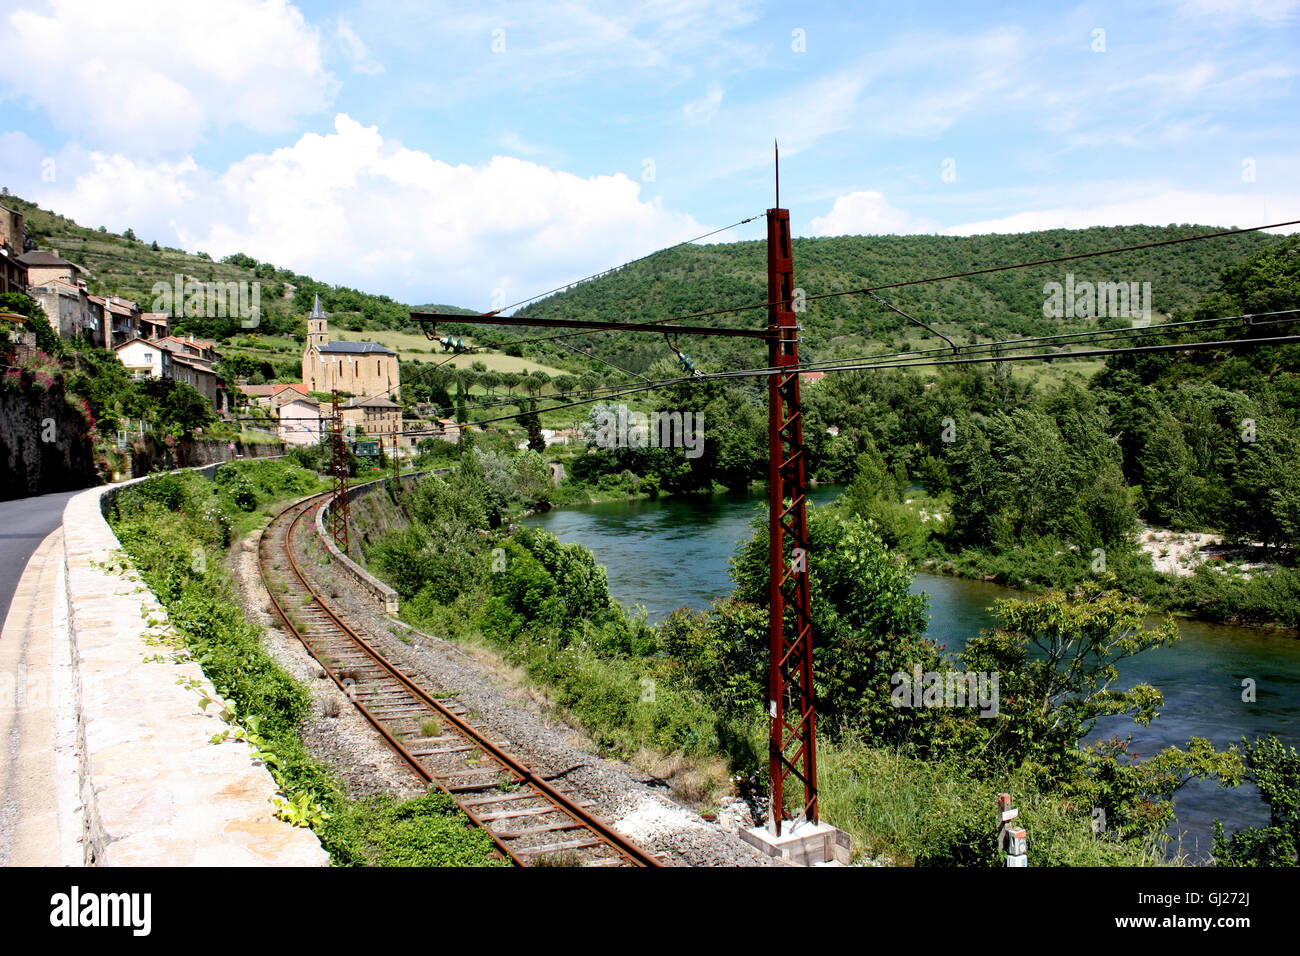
(776, 165)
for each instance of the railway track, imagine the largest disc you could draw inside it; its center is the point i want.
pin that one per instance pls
(532, 820)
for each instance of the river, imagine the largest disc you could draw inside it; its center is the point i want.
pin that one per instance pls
(667, 554)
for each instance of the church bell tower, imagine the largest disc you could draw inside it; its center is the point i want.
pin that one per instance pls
(317, 328)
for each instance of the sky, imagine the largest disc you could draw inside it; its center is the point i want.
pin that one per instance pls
(474, 153)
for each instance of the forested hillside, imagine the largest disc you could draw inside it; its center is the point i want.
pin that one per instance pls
(702, 278)
(127, 265)
(698, 278)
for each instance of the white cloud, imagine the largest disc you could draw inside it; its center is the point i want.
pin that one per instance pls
(1269, 12)
(1246, 208)
(155, 75)
(363, 61)
(868, 213)
(706, 107)
(352, 208)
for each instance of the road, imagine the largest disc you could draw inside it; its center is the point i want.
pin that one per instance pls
(24, 524)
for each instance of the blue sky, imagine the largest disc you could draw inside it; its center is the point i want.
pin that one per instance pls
(476, 153)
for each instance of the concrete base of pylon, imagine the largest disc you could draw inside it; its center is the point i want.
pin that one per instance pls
(802, 843)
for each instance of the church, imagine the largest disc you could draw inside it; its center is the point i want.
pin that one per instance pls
(360, 368)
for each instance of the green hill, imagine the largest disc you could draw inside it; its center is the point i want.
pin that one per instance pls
(697, 278)
(127, 266)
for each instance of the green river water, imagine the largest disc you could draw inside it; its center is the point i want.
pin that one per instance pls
(667, 554)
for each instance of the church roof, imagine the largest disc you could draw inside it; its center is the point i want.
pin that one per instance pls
(316, 312)
(365, 348)
(373, 401)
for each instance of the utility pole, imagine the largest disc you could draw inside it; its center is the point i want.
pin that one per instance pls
(791, 698)
(339, 476)
(792, 745)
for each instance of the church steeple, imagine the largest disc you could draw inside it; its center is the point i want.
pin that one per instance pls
(317, 327)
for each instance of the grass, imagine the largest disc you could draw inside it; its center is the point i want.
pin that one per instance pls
(909, 812)
(677, 736)
(413, 345)
(162, 523)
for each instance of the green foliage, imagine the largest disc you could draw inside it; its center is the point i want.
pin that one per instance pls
(511, 481)
(176, 527)
(1275, 770)
(696, 278)
(546, 606)
(47, 338)
(1057, 657)
(933, 812)
(867, 623)
(428, 831)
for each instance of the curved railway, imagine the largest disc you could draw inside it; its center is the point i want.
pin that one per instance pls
(530, 819)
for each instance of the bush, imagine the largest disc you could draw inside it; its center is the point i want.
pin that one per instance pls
(932, 813)
(176, 536)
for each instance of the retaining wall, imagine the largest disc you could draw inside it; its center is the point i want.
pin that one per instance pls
(381, 593)
(155, 790)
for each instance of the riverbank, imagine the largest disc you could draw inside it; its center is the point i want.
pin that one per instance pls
(1207, 581)
(1269, 601)
(664, 554)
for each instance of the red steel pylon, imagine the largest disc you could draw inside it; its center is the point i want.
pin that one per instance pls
(793, 749)
(792, 732)
(339, 476)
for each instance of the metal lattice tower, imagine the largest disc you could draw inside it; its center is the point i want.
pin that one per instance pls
(792, 732)
(339, 476)
(791, 697)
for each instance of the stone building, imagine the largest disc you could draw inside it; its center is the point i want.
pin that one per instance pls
(13, 274)
(376, 417)
(42, 266)
(298, 419)
(68, 309)
(361, 368)
(12, 234)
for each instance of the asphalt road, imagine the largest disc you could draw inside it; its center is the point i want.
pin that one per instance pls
(24, 524)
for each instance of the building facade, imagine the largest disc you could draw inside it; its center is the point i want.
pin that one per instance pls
(145, 359)
(12, 233)
(299, 420)
(377, 417)
(360, 368)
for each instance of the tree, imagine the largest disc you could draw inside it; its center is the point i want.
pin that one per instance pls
(1056, 657)
(536, 381)
(47, 339)
(177, 406)
(868, 624)
(1275, 769)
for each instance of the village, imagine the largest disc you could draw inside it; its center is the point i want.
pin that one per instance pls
(364, 377)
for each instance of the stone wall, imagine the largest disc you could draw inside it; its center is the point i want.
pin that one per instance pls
(44, 445)
(148, 454)
(361, 504)
(155, 790)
